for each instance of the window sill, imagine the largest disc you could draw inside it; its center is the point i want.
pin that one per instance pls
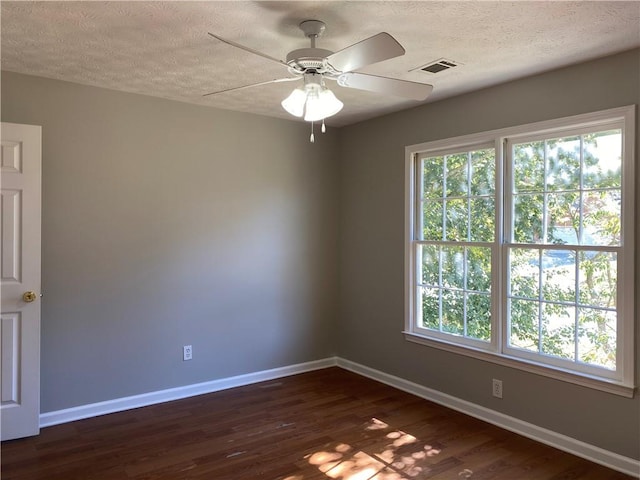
(604, 385)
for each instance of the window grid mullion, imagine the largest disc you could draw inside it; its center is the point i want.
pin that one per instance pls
(540, 301)
(575, 311)
(419, 188)
(504, 236)
(464, 290)
(581, 196)
(545, 197)
(576, 320)
(468, 196)
(444, 197)
(444, 237)
(440, 291)
(418, 234)
(465, 256)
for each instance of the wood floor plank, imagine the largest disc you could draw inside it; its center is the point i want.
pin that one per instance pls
(322, 425)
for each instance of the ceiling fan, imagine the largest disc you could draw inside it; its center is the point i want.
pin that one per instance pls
(314, 101)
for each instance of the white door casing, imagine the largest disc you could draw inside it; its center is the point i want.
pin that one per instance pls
(20, 173)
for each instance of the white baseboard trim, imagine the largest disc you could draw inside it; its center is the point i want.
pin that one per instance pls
(562, 442)
(126, 403)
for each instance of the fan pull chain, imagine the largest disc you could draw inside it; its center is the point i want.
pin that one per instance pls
(324, 129)
(312, 138)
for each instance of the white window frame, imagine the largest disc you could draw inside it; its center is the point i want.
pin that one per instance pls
(621, 382)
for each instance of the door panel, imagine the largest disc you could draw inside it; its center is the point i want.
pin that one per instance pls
(20, 205)
(11, 220)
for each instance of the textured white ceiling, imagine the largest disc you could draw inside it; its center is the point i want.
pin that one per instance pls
(162, 48)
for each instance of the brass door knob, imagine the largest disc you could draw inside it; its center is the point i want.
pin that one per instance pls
(29, 296)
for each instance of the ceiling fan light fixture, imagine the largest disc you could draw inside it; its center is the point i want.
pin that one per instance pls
(321, 105)
(314, 101)
(294, 103)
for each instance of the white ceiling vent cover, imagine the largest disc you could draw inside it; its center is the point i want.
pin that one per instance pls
(437, 66)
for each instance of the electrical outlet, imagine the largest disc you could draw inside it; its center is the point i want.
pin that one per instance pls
(187, 352)
(497, 388)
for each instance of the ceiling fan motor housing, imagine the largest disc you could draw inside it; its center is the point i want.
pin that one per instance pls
(306, 59)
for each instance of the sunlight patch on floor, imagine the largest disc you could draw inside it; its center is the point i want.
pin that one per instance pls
(401, 457)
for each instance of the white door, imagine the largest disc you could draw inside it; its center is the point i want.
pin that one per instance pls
(20, 168)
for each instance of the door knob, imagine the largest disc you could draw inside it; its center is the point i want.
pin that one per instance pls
(29, 296)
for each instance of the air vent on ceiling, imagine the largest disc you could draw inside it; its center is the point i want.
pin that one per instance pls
(438, 66)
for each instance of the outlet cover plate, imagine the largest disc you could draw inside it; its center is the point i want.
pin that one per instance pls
(187, 352)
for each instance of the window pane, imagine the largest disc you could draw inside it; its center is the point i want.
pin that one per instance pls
(597, 337)
(528, 167)
(453, 312)
(602, 216)
(446, 213)
(598, 278)
(602, 160)
(430, 265)
(479, 269)
(432, 177)
(524, 273)
(564, 218)
(430, 298)
(456, 220)
(482, 219)
(432, 228)
(523, 324)
(527, 218)
(479, 316)
(463, 306)
(453, 267)
(559, 275)
(483, 165)
(558, 330)
(456, 175)
(563, 164)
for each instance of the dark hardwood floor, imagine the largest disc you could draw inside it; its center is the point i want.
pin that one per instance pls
(327, 424)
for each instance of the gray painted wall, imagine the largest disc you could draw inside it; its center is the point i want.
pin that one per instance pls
(372, 249)
(167, 224)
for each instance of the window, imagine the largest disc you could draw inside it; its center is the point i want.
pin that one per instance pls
(455, 238)
(520, 247)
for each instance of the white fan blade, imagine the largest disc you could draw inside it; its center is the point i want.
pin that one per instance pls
(371, 50)
(247, 49)
(277, 80)
(392, 86)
